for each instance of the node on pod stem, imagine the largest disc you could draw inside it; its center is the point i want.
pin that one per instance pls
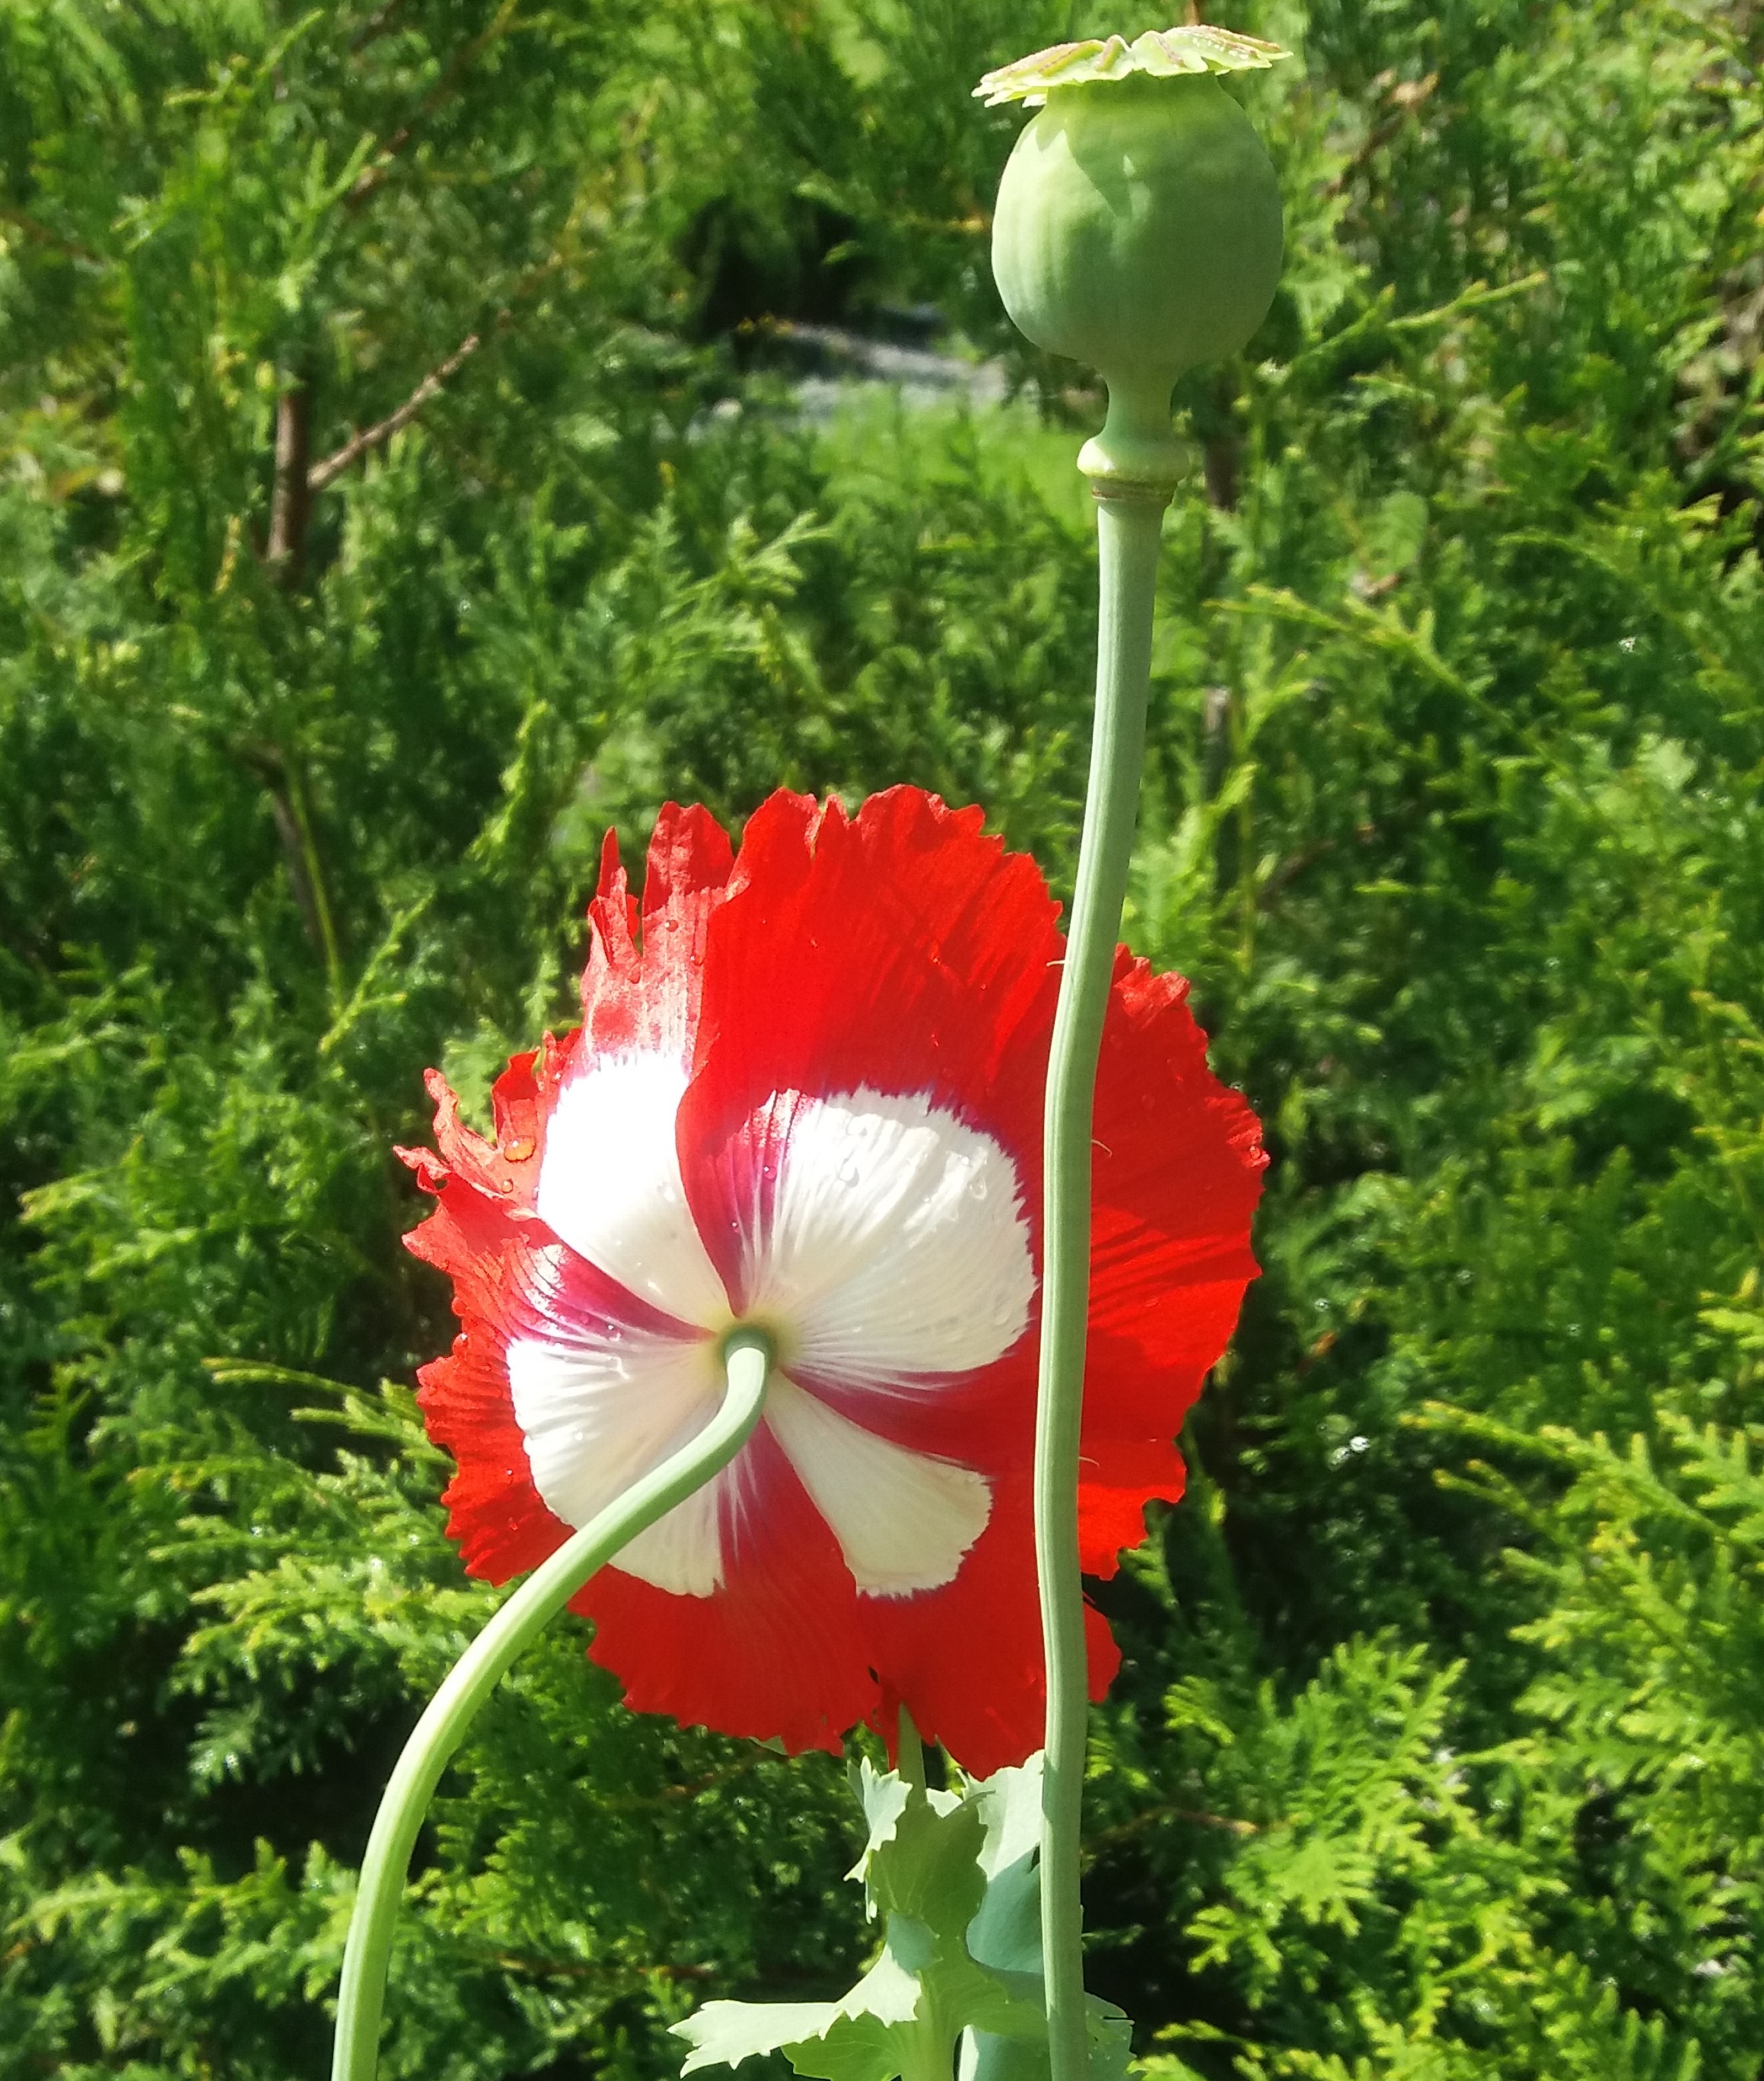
(1138, 225)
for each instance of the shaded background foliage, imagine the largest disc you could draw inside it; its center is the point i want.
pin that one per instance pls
(403, 484)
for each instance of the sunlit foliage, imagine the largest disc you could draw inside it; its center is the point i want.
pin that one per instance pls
(401, 486)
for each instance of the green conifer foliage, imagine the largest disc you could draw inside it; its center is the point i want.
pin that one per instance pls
(399, 490)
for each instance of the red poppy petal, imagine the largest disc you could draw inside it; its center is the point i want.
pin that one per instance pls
(776, 1653)
(903, 952)
(984, 1419)
(502, 1169)
(494, 1511)
(1177, 1173)
(1117, 1477)
(966, 1661)
(640, 998)
(690, 857)
(1138, 1392)
(510, 1279)
(464, 1237)
(1179, 1159)
(646, 995)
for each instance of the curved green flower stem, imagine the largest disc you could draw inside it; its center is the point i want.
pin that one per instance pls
(1129, 518)
(747, 1358)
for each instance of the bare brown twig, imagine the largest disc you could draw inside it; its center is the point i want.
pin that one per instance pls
(1407, 96)
(43, 236)
(1152, 1815)
(327, 472)
(290, 491)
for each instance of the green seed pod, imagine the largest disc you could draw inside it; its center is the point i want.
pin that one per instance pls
(1138, 224)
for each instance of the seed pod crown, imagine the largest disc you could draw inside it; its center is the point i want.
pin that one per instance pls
(1138, 221)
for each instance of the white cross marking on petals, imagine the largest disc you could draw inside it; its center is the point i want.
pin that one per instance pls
(890, 1251)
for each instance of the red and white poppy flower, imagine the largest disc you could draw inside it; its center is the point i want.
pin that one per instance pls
(806, 1094)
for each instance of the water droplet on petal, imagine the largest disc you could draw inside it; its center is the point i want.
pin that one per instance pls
(848, 1172)
(977, 1188)
(518, 1148)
